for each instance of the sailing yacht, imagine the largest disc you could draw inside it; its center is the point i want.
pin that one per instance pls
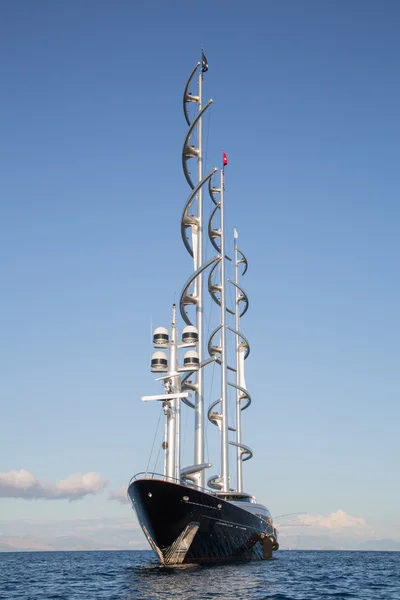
(186, 516)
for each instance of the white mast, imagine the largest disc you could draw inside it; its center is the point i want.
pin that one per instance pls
(238, 397)
(172, 386)
(192, 219)
(176, 389)
(172, 408)
(224, 380)
(243, 399)
(199, 397)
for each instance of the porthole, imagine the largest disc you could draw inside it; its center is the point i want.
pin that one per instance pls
(149, 494)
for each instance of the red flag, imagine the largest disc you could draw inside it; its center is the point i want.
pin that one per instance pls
(225, 159)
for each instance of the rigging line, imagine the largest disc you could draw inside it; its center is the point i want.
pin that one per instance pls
(154, 440)
(157, 459)
(289, 515)
(151, 338)
(288, 523)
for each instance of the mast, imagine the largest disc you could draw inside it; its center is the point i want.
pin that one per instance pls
(238, 398)
(192, 219)
(176, 389)
(243, 398)
(172, 382)
(172, 408)
(199, 395)
(224, 379)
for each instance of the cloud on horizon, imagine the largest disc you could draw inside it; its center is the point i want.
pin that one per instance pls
(120, 495)
(336, 524)
(23, 484)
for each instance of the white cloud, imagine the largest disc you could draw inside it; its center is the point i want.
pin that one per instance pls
(76, 486)
(23, 484)
(336, 531)
(338, 523)
(120, 495)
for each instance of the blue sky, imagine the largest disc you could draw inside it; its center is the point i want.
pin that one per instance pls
(306, 98)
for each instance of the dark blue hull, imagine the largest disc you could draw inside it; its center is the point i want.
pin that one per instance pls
(185, 525)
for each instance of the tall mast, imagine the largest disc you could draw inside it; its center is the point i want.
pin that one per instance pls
(192, 219)
(224, 380)
(199, 395)
(238, 398)
(243, 399)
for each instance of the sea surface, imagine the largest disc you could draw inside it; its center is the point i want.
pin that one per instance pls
(292, 575)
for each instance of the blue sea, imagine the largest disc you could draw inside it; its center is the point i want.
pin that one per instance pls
(292, 575)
